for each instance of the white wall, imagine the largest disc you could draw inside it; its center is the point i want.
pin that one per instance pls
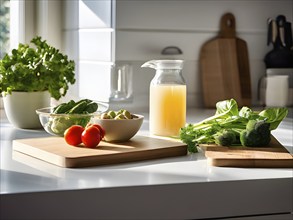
(144, 28)
(48, 22)
(70, 37)
(88, 40)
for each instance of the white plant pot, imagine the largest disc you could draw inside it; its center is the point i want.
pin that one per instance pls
(20, 108)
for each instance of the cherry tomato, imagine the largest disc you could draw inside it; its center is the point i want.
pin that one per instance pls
(72, 135)
(91, 137)
(102, 130)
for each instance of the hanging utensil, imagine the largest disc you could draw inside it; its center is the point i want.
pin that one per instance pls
(281, 37)
(274, 33)
(269, 40)
(288, 36)
(281, 20)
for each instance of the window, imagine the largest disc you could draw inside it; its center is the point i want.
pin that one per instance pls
(4, 27)
(82, 29)
(95, 34)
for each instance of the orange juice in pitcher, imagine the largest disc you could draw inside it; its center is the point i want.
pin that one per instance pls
(167, 98)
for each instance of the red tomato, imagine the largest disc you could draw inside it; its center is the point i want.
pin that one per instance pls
(72, 135)
(91, 136)
(102, 130)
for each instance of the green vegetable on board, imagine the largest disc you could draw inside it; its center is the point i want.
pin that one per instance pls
(231, 126)
(225, 137)
(257, 133)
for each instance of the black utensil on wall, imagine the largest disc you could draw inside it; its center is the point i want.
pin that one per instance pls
(288, 36)
(280, 35)
(272, 32)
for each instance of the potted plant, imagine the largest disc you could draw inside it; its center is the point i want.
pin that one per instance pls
(29, 77)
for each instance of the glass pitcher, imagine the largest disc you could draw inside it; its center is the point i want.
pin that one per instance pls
(121, 83)
(167, 97)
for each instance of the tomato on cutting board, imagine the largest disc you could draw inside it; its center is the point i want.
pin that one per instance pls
(102, 130)
(72, 135)
(91, 136)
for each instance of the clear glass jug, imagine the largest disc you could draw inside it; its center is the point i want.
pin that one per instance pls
(167, 97)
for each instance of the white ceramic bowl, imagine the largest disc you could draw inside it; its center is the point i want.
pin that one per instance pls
(56, 124)
(120, 130)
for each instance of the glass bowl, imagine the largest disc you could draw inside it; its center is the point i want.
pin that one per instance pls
(56, 124)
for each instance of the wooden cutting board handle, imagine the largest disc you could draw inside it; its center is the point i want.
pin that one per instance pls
(227, 26)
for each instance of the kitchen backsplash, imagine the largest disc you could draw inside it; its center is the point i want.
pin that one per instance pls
(142, 29)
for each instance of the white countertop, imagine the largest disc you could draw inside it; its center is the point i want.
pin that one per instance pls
(36, 175)
(23, 174)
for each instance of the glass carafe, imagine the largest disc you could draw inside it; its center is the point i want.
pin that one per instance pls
(167, 97)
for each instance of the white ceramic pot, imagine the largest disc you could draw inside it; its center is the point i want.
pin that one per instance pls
(20, 108)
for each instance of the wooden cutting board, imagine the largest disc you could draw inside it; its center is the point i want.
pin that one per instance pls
(56, 151)
(272, 156)
(224, 66)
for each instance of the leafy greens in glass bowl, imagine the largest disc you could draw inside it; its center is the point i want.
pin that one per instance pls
(56, 120)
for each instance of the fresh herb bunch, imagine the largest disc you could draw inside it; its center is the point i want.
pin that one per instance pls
(37, 68)
(230, 126)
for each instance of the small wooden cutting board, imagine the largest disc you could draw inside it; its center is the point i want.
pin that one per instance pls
(272, 156)
(56, 151)
(224, 66)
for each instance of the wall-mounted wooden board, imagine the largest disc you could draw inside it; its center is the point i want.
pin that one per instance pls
(224, 66)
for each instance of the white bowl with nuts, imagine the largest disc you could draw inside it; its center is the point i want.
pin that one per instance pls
(119, 125)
